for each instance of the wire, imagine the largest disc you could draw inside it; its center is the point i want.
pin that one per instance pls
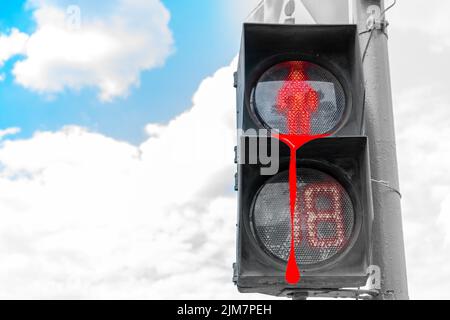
(387, 185)
(368, 44)
(372, 29)
(363, 117)
(383, 14)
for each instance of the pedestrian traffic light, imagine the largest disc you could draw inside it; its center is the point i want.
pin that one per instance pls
(298, 82)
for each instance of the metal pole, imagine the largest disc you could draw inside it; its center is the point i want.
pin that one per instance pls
(388, 245)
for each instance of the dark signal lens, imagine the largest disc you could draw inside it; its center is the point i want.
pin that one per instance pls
(299, 97)
(324, 217)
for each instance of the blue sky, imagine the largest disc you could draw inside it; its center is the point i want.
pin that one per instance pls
(203, 43)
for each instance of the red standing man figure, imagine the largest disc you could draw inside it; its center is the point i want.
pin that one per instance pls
(297, 100)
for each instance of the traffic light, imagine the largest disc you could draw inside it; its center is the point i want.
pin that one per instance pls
(301, 81)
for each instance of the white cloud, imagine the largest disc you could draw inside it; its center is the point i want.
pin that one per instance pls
(107, 52)
(407, 15)
(444, 216)
(8, 132)
(423, 139)
(86, 216)
(12, 44)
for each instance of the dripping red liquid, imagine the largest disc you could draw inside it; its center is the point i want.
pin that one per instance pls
(297, 101)
(295, 142)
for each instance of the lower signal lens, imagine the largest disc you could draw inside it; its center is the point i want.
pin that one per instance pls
(324, 217)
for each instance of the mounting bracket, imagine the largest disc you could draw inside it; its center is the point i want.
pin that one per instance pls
(371, 290)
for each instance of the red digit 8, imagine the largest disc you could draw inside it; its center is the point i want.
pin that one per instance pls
(333, 214)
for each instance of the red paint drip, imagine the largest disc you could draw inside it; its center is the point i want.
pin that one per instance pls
(294, 142)
(297, 100)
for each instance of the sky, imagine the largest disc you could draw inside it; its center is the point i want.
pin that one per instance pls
(193, 53)
(97, 199)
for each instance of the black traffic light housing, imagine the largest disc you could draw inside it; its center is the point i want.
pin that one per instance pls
(346, 159)
(344, 155)
(334, 47)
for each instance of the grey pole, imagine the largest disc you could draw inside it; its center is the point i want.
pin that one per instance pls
(388, 245)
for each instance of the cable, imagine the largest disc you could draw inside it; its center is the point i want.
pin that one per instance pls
(368, 44)
(363, 114)
(372, 29)
(387, 185)
(383, 14)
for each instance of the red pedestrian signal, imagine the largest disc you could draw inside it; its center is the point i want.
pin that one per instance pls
(306, 227)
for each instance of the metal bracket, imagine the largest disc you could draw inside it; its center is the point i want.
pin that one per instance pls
(377, 24)
(358, 294)
(376, 19)
(371, 290)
